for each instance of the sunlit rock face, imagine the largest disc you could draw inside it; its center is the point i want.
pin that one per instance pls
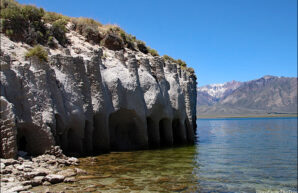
(97, 101)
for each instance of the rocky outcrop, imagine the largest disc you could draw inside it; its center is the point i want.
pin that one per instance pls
(96, 101)
(21, 174)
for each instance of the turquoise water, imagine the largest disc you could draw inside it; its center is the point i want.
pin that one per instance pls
(247, 154)
(231, 155)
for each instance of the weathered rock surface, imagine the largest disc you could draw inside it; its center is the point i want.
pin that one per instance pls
(94, 100)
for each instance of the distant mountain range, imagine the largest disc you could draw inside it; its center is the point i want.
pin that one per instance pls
(267, 95)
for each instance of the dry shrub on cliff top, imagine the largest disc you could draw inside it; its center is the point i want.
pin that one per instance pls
(142, 46)
(22, 22)
(181, 63)
(88, 28)
(59, 30)
(26, 23)
(128, 39)
(39, 52)
(50, 17)
(191, 70)
(153, 52)
(178, 61)
(110, 28)
(166, 57)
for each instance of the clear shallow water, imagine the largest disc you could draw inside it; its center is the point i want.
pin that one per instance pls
(247, 155)
(231, 155)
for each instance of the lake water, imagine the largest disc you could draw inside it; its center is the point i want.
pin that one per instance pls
(231, 155)
(247, 155)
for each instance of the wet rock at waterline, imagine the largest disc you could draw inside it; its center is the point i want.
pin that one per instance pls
(27, 172)
(97, 100)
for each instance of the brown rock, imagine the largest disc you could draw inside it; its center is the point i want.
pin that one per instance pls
(67, 173)
(8, 162)
(70, 180)
(37, 180)
(46, 183)
(80, 171)
(54, 178)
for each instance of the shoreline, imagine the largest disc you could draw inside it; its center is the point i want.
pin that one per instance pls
(247, 116)
(25, 172)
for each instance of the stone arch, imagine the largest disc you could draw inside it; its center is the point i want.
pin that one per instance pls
(74, 134)
(165, 132)
(33, 139)
(22, 143)
(63, 141)
(101, 136)
(87, 140)
(60, 127)
(153, 133)
(74, 141)
(179, 133)
(127, 131)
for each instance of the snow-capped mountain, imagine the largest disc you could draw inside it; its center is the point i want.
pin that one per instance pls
(218, 91)
(269, 94)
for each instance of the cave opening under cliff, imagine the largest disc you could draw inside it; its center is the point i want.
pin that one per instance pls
(178, 132)
(59, 131)
(22, 143)
(125, 130)
(165, 132)
(153, 135)
(23, 140)
(100, 136)
(87, 140)
(74, 142)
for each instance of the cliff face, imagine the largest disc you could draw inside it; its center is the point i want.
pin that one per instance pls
(88, 99)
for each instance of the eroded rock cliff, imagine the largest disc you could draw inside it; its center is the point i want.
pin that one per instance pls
(88, 98)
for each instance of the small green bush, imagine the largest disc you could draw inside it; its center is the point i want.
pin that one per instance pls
(6, 3)
(50, 17)
(88, 28)
(81, 23)
(191, 70)
(51, 43)
(36, 31)
(39, 52)
(13, 22)
(166, 57)
(153, 52)
(22, 22)
(92, 34)
(142, 46)
(181, 63)
(32, 14)
(128, 39)
(58, 30)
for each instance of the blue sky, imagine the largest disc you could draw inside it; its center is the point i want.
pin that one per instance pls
(222, 40)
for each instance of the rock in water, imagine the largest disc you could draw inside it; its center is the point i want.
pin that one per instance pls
(54, 178)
